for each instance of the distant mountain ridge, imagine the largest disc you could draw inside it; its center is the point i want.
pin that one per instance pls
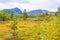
(14, 10)
(31, 13)
(39, 11)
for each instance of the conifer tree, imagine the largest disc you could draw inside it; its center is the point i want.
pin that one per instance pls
(25, 14)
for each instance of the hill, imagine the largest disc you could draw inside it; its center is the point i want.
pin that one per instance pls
(14, 10)
(39, 11)
(32, 13)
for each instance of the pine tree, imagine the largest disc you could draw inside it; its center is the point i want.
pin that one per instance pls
(25, 14)
(58, 10)
(11, 15)
(14, 31)
(14, 28)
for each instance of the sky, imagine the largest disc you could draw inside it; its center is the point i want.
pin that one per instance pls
(51, 5)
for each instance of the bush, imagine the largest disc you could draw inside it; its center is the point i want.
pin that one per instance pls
(3, 16)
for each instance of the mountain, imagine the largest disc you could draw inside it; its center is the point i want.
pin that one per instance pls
(30, 13)
(39, 11)
(14, 10)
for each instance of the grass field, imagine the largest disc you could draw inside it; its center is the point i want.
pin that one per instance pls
(33, 29)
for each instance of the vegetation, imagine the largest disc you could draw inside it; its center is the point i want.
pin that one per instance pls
(25, 15)
(40, 27)
(3, 16)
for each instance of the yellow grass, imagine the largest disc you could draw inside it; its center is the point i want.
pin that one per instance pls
(29, 29)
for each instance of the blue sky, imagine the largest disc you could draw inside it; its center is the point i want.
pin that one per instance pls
(50, 5)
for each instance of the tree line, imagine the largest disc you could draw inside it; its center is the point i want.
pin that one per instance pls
(4, 16)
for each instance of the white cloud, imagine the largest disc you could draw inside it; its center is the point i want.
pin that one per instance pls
(7, 1)
(51, 5)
